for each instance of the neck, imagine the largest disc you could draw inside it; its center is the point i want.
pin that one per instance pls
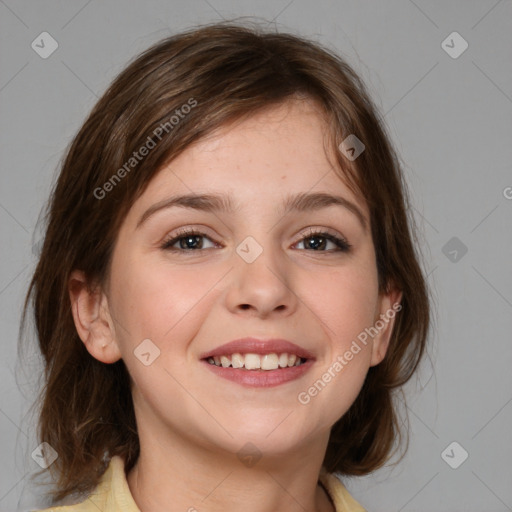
(190, 476)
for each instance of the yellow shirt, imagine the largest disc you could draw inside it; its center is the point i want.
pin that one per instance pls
(113, 493)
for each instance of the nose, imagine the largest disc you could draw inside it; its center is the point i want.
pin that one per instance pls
(263, 287)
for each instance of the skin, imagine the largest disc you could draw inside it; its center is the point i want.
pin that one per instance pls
(191, 422)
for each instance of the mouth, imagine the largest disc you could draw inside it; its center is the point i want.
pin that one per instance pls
(257, 363)
(265, 362)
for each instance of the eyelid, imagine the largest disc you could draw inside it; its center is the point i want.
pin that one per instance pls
(186, 231)
(336, 237)
(317, 230)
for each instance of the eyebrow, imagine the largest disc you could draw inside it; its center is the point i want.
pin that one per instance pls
(302, 202)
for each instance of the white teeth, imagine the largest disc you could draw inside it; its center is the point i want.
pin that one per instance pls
(252, 361)
(271, 361)
(292, 358)
(237, 360)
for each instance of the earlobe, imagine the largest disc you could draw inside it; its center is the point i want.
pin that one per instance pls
(389, 307)
(93, 322)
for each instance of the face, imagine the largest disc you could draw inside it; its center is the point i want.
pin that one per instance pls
(306, 275)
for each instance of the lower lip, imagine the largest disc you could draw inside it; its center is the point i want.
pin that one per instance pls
(260, 378)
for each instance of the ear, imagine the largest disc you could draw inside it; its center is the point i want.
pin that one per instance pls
(388, 308)
(92, 319)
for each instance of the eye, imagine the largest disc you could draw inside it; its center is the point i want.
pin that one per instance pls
(318, 241)
(190, 240)
(187, 240)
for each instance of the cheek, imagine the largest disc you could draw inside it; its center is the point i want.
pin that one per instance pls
(345, 301)
(154, 300)
(166, 305)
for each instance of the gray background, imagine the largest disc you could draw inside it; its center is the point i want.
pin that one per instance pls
(451, 121)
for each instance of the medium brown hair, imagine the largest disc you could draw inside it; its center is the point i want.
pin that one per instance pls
(228, 71)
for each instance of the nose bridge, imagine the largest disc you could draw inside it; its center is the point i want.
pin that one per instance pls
(261, 280)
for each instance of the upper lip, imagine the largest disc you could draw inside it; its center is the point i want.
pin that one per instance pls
(257, 346)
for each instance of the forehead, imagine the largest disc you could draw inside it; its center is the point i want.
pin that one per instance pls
(281, 149)
(281, 134)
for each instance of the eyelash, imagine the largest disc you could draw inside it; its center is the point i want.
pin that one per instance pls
(341, 243)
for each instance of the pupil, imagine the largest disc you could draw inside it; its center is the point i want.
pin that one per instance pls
(316, 245)
(189, 241)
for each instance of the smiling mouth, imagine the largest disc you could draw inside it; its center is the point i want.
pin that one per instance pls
(249, 361)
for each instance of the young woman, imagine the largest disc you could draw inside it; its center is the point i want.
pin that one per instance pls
(228, 293)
